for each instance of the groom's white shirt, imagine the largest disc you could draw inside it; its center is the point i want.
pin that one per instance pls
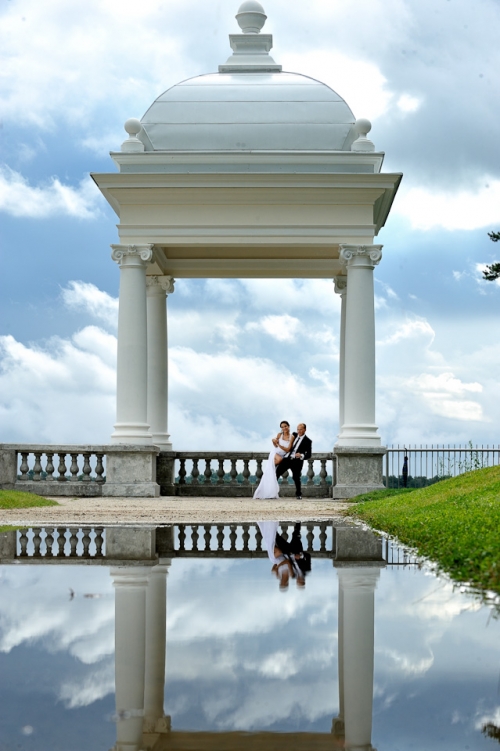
(296, 446)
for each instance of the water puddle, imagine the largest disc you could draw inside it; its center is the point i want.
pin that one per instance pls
(183, 637)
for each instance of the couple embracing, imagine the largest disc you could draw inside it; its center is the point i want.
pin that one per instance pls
(289, 452)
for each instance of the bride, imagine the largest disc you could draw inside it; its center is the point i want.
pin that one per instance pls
(268, 486)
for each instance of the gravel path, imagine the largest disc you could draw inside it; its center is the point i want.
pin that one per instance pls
(166, 510)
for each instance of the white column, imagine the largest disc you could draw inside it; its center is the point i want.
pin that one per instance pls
(359, 428)
(157, 289)
(357, 590)
(130, 584)
(156, 634)
(341, 289)
(131, 368)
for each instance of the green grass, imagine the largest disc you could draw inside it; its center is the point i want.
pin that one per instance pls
(455, 523)
(19, 499)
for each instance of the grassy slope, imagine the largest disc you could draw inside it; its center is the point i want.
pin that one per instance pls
(18, 499)
(456, 523)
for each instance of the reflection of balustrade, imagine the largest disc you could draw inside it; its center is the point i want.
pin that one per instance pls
(61, 543)
(230, 474)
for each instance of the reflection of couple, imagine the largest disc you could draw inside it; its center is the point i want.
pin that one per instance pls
(288, 557)
(289, 452)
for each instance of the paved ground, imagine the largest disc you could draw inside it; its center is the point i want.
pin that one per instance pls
(164, 510)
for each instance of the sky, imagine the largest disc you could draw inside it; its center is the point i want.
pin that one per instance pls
(246, 354)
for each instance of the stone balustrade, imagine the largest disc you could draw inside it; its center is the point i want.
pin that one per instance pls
(56, 470)
(235, 474)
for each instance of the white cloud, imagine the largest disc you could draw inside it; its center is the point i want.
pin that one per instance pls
(19, 199)
(452, 209)
(82, 296)
(443, 394)
(283, 328)
(409, 330)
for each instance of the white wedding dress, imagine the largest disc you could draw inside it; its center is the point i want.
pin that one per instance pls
(268, 486)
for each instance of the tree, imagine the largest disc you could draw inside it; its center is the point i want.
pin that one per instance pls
(492, 271)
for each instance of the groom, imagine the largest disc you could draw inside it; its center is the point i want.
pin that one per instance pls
(300, 451)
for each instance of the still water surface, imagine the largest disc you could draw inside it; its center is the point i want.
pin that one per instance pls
(364, 656)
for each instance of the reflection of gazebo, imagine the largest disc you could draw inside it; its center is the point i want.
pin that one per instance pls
(249, 172)
(139, 560)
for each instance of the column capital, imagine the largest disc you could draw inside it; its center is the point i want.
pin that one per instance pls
(139, 253)
(156, 283)
(340, 283)
(360, 255)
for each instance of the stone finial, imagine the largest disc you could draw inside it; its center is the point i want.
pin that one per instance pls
(362, 143)
(132, 143)
(251, 17)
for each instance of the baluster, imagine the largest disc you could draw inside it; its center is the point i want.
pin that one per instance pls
(208, 472)
(61, 541)
(285, 477)
(24, 468)
(99, 468)
(322, 537)
(23, 543)
(74, 467)
(49, 541)
(194, 537)
(195, 472)
(207, 537)
(182, 537)
(258, 539)
(220, 537)
(233, 472)
(49, 467)
(87, 469)
(220, 473)
(323, 473)
(37, 467)
(310, 537)
(182, 472)
(246, 472)
(246, 537)
(232, 538)
(284, 531)
(310, 472)
(98, 542)
(37, 541)
(86, 542)
(73, 541)
(62, 467)
(258, 471)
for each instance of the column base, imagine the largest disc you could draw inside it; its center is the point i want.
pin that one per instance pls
(131, 472)
(162, 440)
(359, 435)
(132, 433)
(358, 469)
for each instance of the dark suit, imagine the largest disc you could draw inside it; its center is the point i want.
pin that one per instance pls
(295, 465)
(294, 547)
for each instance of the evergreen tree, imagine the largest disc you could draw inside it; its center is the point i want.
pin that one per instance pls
(492, 271)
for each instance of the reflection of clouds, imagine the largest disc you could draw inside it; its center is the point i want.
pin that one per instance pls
(405, 664)
(36, 610)
(94, 686)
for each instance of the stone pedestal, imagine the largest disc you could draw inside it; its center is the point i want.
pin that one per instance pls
(8, 469)
(357, 470)
(131, 543)
(131, 472)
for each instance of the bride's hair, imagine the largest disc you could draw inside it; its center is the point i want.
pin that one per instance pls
(284, 422)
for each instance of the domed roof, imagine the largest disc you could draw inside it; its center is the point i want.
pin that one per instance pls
(245, 110)
(250, 104)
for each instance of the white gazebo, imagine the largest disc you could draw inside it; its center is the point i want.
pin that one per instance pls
(250, 172)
